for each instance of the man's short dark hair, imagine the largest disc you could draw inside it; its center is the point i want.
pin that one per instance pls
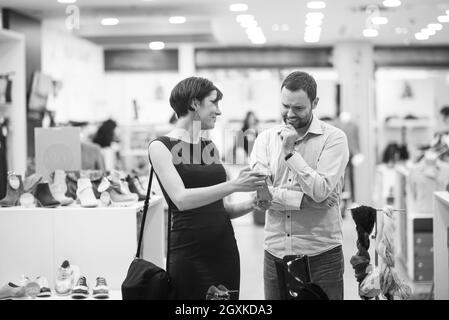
(299, 80)
(187, 90)
(444, 111)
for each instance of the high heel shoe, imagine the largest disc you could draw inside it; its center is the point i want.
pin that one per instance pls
(85, 194)
(30, 183)
(136, 187)
(43, 196)
(14, 188)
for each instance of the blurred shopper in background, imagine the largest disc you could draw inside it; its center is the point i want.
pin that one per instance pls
(307, 159)
(106, 138)
(202, 250)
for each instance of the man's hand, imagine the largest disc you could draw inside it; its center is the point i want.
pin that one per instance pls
(288, 136)
(307, 202)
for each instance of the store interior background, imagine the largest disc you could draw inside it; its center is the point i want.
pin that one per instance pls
(109, 72)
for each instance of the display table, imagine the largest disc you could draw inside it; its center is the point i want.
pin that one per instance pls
(101, 241)
(441, 241)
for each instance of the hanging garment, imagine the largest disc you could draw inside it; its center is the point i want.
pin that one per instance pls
(364, 218)
(391, 285)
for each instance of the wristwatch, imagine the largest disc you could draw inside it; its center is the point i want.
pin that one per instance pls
(288, 156)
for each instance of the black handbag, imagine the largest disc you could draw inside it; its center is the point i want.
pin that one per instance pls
(295, 279)
(145, 280)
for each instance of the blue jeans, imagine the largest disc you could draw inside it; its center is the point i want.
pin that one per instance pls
(326, 270)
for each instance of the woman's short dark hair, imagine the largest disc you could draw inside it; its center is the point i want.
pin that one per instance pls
(105, 133)
(444, 111)
(187, 90)
(299, 80)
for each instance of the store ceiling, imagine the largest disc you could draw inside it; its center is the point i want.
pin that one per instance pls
(210, 23)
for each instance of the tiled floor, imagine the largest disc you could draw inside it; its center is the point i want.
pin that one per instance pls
(250, 241)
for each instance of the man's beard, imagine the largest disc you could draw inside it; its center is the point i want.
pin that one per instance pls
(300, 123)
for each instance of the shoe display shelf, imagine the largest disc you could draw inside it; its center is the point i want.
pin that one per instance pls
(12, 61)
(414, 236)
(441, 249)
(101, 241)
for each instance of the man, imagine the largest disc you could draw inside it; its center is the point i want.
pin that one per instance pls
(307, 159)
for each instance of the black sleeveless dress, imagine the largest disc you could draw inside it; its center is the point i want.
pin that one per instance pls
(203, 249)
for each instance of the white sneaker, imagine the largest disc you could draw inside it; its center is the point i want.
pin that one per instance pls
(66, 278)
(44, 287)
(81, 289)
(101, 290)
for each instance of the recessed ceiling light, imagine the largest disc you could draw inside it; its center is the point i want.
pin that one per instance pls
(314, 22)
(429, 32)
(435, 26)
(109, 21)
(391, 3)
(311, 39)
(316, 5)
(443, 19)
(238, 7)
(66, 1)
(379, 20)
(370, 33)
(177, 19)
(315, 15)
(157, 45)
(421, 36)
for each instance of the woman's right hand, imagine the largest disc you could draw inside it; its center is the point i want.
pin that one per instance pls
(248, 180)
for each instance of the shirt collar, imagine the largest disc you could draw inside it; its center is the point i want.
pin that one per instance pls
(315, 127)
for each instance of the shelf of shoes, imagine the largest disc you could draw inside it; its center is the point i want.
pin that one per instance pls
(101, 240)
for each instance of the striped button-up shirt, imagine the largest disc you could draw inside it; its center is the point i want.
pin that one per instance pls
(316, 169)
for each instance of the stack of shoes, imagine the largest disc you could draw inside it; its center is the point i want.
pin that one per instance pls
(81, 289)
(65, 278)
(59, 188)
(85, 195)
(14, 188)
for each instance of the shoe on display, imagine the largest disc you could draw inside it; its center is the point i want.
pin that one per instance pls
(27, 200)
(104, 185)
(122, 200)
(100, 290)
(14, 188)
(80, 290)
(32, 288)
(136, 187)
(71, 181)
(96, 177)
(44, 197)
(66, 277)
(44, 288)
(59, 188)
(11, 290)
(85, 194)
(105, 199)
(30, 183)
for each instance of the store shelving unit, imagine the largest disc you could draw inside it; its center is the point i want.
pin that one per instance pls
(441, 240)
(12, 60)
(414, 237)
(101, 241)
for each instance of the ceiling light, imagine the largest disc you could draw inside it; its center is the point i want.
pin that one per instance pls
(313, 30)
(238, 7)
(157, 45)
(285, 27)
(244, 17)
(177, 19)
(379, 20)
(391, 3)
(314, 22)
(370, 33)
(316, 5)
(443, 19)
(109, 21)
(259, 41)
(429, 32)
(435, 26)
(275, 27)
(315, 15)
(66, 1)
(311, 39)
(421, 36)
(254, 32)
(249, 24)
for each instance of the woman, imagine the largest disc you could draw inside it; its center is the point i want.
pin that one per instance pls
(203, 250)
(250, 130)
